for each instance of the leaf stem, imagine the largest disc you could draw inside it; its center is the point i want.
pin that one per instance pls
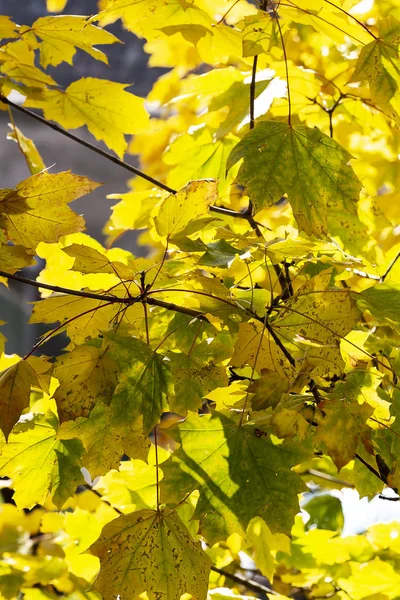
(157, 475)
(353, 17)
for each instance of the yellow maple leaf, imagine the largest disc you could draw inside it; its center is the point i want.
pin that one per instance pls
(108, 111)
(62, 35)
(36, 210)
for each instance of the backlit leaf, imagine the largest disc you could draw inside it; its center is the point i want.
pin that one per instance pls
(239, 475)
(15, 387)
(190, 203)
(61, 35)
(29, 150)
(53, 462)
(86, 375)
(158, 553)
(303, 163)
(37, 209)
(87, 102)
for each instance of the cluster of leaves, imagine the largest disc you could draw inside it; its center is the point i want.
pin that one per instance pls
(254, 350)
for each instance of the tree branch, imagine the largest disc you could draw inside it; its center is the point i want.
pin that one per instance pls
(106, 298)
(63, 290)
(175, 307)
(92, 147)
(250, 584)
(218, 209)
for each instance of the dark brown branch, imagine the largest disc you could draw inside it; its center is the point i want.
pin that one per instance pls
(250, 584)
(92, 147)
(371, 468)
(279, 343)
(247, 215)
(109, 299)
(282, 282)
(62, 290)
(253, 90)
(218, 209)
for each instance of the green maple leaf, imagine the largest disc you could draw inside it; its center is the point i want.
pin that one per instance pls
(144, 387)
(239, 475)
(150, 551)
(41, 462)
(37, 209)
(307, 165)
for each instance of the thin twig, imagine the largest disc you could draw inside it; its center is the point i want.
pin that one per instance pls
(92, 147)
(109, 299)
(249, 583)
(253, 90)
(353, 17)
(327, 477)
(125, 165)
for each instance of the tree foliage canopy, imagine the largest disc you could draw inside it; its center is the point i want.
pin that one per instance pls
(253, 353)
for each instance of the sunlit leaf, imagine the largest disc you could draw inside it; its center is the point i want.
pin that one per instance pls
(190, 203)
(87, 102)
(37, 209)
(61, 35)
(53, 462)
(303, 163)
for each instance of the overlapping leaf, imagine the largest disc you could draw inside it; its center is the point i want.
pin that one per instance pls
(159, 557)
(239, 475)
(303, 163)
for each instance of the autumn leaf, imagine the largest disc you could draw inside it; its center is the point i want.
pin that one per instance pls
(62, 35)
(15, 387)
(267, 390)
(159, 554)
(383, 303)
(105, 440)
(303, 163)
(190, 203)
(83, 318)
(379, 64)
(342, 428)
(37, 209)
(108, 111)
(86, 375)
(18, 62)
(144, 387)
(56, 5)
(29, 150)
(14, 258)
